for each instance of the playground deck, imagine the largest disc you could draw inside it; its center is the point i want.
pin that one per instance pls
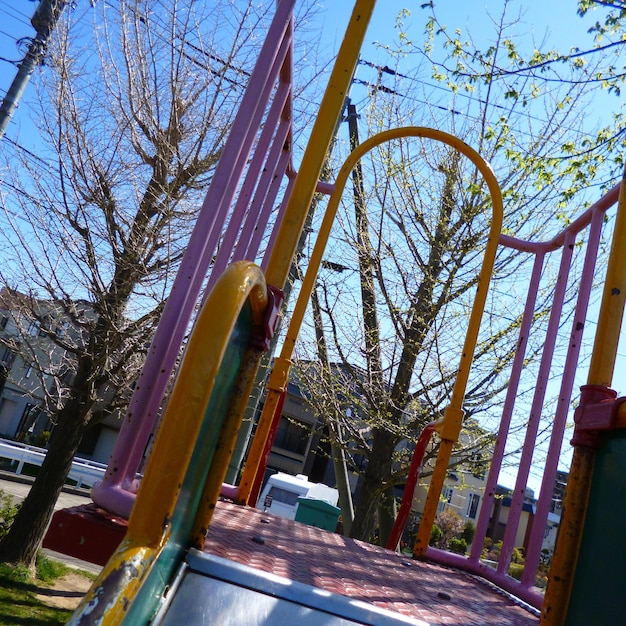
(417, 589)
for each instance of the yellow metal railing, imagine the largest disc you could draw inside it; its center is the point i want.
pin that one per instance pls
(449, 427)
(149, 527)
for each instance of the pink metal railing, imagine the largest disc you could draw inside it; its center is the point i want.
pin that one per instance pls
(269, 82)
(565, 241)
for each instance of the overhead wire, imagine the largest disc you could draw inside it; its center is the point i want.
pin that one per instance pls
(11, 10)
(381, 69)
(472, 99)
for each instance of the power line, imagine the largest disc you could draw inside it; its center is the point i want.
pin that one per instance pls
(14, 13)
(387, 70)
(27, 151)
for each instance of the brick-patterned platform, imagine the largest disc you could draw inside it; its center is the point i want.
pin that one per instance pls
(425, 591)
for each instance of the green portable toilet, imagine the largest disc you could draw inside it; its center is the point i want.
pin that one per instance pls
(318, 513)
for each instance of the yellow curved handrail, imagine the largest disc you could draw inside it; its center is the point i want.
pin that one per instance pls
(450, 426)
(149, 526)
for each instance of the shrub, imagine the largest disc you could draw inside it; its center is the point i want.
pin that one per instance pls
(487, 543)
(469, 530)
(41, 439)
(515, 570)
(518, 556)
(435, 535)
(493, 554)
(458, 545)
(451, 525)
(8, 511)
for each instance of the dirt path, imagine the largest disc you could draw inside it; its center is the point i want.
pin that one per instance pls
(66, 592)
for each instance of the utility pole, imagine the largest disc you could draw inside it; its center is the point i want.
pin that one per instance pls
(366, 265)
(44, 20)
(365, 254)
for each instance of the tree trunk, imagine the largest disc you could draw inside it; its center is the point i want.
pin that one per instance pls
(26, 534)
(342, 482)
(375, 476)
(387, 512)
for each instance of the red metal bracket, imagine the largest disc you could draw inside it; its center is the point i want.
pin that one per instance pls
(597, 412)
(262, 335)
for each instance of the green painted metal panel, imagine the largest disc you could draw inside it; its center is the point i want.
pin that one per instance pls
(317, 513)
(148, 598)
(598, 591)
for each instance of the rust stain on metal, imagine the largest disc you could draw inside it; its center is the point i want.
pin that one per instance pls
(106, 595)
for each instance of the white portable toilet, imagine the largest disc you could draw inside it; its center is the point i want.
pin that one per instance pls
(281, 492)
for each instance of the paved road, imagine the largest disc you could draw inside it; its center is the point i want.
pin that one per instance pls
(19, 490)
(73, 497)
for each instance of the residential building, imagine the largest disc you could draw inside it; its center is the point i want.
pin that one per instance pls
(34, 369)
(30, 364)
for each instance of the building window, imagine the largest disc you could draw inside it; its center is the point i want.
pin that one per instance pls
(292, 436)
(6, 356)
(33, 328)
(4, 320)
(282, 495)
(29, 370)
(446, 498)
(25, 421)
(472, 507)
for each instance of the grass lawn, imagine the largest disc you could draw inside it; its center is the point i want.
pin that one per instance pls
(18, 595)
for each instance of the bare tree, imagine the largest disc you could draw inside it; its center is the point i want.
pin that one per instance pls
(135, 101)
(409, 247)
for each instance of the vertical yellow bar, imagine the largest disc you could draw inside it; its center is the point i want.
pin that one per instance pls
(612, 306)
(176, 438)
(317, 147)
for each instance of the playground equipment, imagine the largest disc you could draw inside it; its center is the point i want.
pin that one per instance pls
(596, 399)
(160, 572)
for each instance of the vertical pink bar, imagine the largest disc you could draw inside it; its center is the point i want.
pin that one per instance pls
(229, 238)
(536, 407)
(254, 218)
(275, 168)
(533, 549)
(280, 160)
(267, 206)
(524, 589)
(113, 493)
(507, 410)
(279, 218)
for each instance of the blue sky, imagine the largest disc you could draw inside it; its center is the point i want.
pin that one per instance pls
(554, 22)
